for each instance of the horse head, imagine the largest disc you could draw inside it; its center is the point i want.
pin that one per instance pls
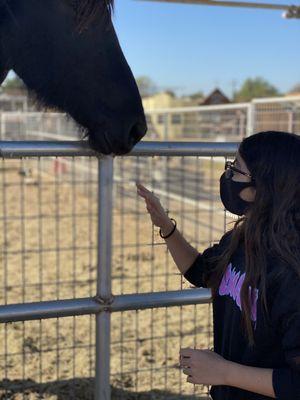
(68, 55)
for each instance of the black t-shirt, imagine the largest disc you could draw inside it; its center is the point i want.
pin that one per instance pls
(277, 340)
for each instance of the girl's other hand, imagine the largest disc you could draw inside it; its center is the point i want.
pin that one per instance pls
(158, 215)
(204, 367)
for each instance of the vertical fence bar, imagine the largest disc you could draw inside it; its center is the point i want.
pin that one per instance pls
(164, 160)
(250, 119)
(102, 359)
(2, 126)
(290, 120)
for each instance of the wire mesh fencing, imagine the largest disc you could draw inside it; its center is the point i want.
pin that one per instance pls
(282, 114)
(188, 188)
(49, 252)
(38, 126)
(209, 123)
(225, 122)
(54, 244)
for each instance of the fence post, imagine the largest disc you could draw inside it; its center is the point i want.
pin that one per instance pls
(2, 130)
(290, 126)
(165, 161)
(250, 119)
(104, 245)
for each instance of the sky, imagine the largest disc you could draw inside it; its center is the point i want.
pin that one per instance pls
(187, 48)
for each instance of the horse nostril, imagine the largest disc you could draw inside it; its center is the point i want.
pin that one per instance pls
(137, 132)
(133, 136)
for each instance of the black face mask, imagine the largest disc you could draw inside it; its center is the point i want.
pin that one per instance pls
(229, 192)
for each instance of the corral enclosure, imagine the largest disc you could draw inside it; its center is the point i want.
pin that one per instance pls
(49, 217)
(48, 240)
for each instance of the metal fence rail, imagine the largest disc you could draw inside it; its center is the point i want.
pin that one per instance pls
(57, 197)
(76, 243)
(103, 302)
(225, 122)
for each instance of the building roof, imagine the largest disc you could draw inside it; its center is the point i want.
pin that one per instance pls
(216, 97)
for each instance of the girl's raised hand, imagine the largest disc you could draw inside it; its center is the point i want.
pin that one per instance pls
(158, 215)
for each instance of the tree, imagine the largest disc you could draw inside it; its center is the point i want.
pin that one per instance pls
(295, 88)
(253, 88)
(146, 86)
(196, 95)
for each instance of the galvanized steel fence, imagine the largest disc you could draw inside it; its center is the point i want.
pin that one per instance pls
(54, 266)
(228, 122)
(76, 242)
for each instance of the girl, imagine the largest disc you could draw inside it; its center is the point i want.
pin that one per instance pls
(253, 273)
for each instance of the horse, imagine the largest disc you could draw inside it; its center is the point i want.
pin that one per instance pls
(68, 55)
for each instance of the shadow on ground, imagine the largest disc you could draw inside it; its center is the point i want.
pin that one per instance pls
(79, 389)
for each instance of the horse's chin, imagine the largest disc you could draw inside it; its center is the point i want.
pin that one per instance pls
(100, 143)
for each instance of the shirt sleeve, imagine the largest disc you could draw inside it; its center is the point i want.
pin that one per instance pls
(285, 316)
(198, 272)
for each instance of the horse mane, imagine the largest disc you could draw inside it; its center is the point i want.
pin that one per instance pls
(86, 11)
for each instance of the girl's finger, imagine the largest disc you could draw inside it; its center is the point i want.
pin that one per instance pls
(145, 195)
(142, 194)
(141, 187)
(149, 199)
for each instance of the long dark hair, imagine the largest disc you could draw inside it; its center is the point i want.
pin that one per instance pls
(272, 225)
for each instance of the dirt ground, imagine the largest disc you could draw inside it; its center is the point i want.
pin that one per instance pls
(48, 242)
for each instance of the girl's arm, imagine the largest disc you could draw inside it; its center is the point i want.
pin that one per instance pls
(182, 252)
(257, 380)
(187, 259)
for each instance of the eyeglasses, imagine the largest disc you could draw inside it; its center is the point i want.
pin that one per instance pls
(229, 167)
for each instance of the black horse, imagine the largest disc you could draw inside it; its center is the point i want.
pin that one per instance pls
(68, 55)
